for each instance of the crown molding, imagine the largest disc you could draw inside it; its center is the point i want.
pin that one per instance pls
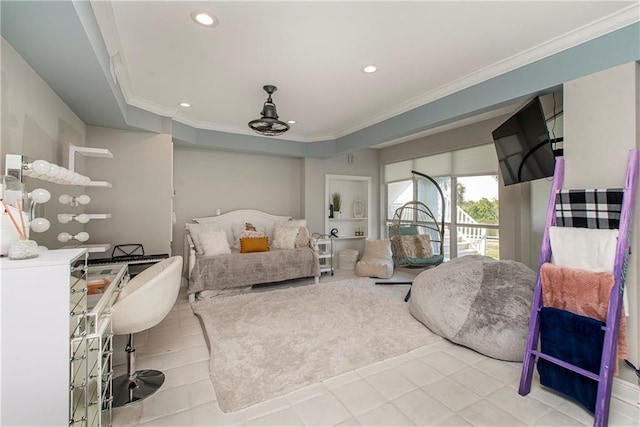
(605, 25)
(290, 136)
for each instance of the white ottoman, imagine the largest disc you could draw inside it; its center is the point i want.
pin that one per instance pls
(347, 259)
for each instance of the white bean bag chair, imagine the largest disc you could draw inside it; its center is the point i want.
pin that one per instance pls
(376, 260)
(477, 302)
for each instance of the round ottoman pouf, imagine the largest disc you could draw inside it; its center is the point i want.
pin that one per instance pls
(477, 302)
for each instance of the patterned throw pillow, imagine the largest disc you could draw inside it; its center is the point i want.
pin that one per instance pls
(414, 246)
(418, 246)
(302, 239)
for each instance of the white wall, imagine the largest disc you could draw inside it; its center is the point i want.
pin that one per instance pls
(206, 180)
(38, 124)
(601, 124)
(140, 200)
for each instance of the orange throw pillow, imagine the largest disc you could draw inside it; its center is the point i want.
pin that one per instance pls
(254, 244)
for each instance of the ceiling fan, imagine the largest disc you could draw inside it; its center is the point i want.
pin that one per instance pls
(268, 124)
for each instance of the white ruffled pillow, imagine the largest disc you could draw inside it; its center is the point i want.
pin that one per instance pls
(584, 248)
(196, 231)
(241, 231)
(285, 233)
(214, 242)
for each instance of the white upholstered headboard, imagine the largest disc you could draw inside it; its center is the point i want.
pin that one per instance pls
(255, 217)
(227, 220)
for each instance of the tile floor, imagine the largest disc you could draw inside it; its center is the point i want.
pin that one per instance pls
(436, 385)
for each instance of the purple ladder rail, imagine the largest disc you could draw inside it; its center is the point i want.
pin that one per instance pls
(609, 350)
(545, 256)
(609, 358)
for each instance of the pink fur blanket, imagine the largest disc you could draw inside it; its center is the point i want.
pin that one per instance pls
(581, 292)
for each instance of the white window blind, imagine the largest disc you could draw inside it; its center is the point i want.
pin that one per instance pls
(398, 171)
(479, 160)
(437, 165)
(475, 161)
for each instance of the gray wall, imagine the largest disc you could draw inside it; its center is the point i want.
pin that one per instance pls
(206, 180)
(365, 163)
(37, 124)
(140, 200)
(601, 125)
(463, 137)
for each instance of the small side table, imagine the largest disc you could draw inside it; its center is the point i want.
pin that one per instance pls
(324, 245)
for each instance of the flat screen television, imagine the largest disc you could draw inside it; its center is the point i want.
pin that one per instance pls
(523, 145)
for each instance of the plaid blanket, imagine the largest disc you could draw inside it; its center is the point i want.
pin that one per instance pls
(589, 208)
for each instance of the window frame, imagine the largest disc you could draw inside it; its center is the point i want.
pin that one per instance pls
(452, 222)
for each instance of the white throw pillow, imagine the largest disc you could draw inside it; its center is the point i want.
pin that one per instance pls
(196, 231)
(295, 223)
(583, 248)
(214, 242)
(285, 234)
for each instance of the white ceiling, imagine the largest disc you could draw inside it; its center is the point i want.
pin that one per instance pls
(313, 52)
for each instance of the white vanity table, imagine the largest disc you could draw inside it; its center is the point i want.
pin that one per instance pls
(56, 340)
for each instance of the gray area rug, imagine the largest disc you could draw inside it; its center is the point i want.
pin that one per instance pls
(266, 344)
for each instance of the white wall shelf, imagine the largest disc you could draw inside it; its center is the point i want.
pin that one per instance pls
(99, 184)
(351, 188)
(88, 152)
(91, 152)
(91, 248)
(99, 216)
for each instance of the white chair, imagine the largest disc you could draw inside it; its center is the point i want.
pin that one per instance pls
(142, 304)
(376, 260)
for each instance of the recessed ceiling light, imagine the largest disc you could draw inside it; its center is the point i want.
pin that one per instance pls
(185, 105)
(291, 122)
(204, 18)
(368, 69)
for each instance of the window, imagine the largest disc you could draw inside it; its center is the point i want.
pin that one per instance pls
(470, 175)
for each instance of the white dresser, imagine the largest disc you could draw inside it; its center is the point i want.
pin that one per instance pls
(55, 366)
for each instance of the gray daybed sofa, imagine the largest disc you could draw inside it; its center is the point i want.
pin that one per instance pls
(216, 265)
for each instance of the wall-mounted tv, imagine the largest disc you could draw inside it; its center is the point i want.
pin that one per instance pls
(523, 145)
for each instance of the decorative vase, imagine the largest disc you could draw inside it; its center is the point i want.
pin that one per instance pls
(23, 249)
